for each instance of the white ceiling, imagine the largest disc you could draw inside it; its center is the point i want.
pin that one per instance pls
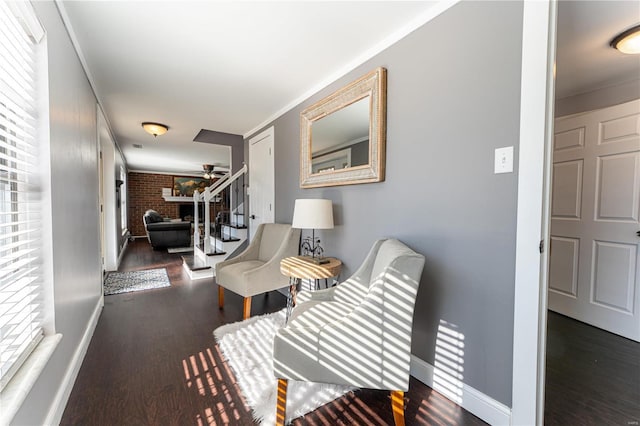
(585, 61)
(233, 66)
(222, 66)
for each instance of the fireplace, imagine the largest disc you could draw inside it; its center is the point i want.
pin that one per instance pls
(185, 211)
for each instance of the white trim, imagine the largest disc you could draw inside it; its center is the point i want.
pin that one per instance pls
(44, 134)
(76, 46)
(471, 399)
(122, 250)
(16, 391)
(59, 403)
(536, 113)
(407, 29)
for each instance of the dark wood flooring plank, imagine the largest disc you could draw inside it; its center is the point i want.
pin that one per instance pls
(593, 377)
(153, 361)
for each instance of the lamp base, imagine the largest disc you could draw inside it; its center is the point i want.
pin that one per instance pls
(315, 260)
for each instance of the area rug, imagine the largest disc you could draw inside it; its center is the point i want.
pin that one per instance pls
(124, 282)
(248, 349)
(179, 249)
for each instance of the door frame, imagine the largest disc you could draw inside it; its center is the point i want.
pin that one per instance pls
(268, 134)
(107, 147)
(533, 210)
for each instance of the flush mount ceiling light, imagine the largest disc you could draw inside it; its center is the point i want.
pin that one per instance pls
(155, 129)
(628, 41)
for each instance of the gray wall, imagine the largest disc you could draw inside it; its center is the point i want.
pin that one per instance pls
(76, 242)
(360, 153)
(453, 97)
(596, 99)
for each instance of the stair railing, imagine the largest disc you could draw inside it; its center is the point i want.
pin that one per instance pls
(211, 193)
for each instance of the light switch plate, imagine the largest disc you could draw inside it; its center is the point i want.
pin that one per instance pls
(504, 160)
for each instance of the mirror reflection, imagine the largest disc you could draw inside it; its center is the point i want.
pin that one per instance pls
(341, 140)
(343, 136)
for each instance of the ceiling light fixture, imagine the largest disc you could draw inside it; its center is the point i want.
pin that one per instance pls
(628, 41)
(208, 171)
(155, 129)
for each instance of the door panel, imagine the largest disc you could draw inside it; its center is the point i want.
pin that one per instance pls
(563, 266)
(567, 190)
(594, 271)
(573, 138)
(261, 180)
(620, 129)
(618, 187)
(613, 277)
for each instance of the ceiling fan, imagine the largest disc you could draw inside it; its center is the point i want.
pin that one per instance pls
(210, 172)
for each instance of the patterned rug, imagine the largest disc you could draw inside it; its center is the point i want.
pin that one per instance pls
(124, 282)
(248, 347)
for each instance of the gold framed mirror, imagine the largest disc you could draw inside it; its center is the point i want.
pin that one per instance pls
(343, 136)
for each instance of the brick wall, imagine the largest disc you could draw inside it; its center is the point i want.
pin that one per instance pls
(145, 192)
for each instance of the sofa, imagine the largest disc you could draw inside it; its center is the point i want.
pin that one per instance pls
(162, 234)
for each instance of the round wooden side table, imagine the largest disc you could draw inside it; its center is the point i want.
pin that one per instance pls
(298, 268)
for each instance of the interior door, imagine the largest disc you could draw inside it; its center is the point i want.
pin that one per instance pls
(594, 272)
(101, 203)
(261, 180)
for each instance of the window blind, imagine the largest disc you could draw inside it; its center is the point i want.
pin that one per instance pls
(21, 302)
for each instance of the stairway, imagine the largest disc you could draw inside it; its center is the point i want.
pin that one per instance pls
(226, 234)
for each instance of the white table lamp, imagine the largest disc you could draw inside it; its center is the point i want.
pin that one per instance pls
(313, 213)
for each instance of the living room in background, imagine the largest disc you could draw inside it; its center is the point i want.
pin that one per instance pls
(145, 192)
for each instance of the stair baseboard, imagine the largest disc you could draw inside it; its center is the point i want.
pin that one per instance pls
(194, 264)
(229, 240)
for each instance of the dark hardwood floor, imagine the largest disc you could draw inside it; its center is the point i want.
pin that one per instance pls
(593, 377)
(139, 366)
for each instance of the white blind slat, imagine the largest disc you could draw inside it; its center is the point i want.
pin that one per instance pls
(21, 306)
(24, 274)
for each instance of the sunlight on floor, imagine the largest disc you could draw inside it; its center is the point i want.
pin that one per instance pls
(204, 372)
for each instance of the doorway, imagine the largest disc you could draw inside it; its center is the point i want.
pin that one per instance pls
(261, 180)
(108, 193)
(592, 374)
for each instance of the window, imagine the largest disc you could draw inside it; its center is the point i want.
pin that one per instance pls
(123, 200)
(21, 276)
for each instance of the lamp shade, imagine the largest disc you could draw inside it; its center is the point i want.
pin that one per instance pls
(313, 213)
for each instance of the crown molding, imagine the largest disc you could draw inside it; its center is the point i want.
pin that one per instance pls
(398, 35)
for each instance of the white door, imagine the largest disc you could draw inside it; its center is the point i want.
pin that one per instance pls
(261, 180)
(101, 203)
(594, 271)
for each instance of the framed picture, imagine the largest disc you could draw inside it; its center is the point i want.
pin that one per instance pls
(185, 186)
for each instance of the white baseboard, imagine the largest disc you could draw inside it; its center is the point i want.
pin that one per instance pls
(62, 396)
(122, 250)
(472, 400)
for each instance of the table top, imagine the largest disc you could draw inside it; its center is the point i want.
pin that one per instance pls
(298, 267)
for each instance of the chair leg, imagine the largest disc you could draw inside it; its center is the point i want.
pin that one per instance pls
(397, 405)
(246, 308)
(220, 297)
(281, 402)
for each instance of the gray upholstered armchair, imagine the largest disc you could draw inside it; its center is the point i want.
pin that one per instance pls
(357, 333)
(257, 269)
